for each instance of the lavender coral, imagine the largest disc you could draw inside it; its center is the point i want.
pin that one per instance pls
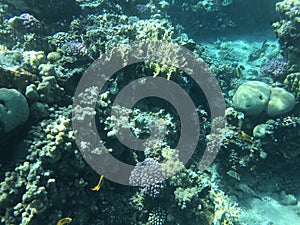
(30, 22)
(24, 22)
(73, 48)
(275, 68)
(148, 175)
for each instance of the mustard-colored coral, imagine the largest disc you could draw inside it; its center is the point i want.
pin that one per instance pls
(226, 212)
(162, 69)
(292, 83)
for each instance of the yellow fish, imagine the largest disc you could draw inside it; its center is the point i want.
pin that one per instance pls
(64, 221)
(98, 186)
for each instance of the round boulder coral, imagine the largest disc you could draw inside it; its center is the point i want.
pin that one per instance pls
(261, 130)
(14, 110)
(281, 102)
(252, 97)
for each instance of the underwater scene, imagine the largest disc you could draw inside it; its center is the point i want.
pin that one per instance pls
(150, 112)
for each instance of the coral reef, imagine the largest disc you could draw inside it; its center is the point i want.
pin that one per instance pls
(287, 30)
(47, 46)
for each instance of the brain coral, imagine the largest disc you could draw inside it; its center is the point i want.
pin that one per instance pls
(255, 98)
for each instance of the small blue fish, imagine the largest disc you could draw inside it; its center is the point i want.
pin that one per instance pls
(226, 2)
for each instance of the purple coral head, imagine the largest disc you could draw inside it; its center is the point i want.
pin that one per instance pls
(74, 48)
(30, 22)
(275, 68)
(148, 175)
